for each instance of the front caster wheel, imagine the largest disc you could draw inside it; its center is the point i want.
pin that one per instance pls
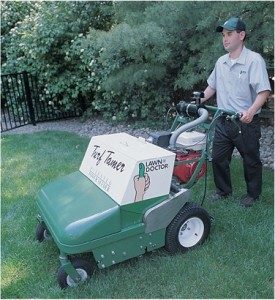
(83, 268)
(42, 233)
(189, 228)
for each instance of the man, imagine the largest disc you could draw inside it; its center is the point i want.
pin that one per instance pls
(241, 84)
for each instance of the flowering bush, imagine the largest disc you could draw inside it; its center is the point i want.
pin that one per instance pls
(126, 60)
(41, 44)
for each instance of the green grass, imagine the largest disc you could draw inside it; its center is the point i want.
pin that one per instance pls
(235, 262)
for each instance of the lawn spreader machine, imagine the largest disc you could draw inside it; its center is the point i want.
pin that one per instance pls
(131, 195)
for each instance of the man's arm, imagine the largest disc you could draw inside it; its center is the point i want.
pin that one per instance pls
(208, 93)
(258, 103)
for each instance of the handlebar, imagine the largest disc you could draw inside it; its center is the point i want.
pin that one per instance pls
(235, 116)
(191, 110)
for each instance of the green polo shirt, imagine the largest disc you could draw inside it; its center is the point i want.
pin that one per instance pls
(237, 84)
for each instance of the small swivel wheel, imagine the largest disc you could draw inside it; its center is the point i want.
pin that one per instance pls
(83, 268)
(42, 233)
(189, 228)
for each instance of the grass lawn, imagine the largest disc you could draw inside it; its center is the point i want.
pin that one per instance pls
(235, 262)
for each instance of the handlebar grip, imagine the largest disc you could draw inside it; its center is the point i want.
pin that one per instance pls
(239, 115)
(235, 117)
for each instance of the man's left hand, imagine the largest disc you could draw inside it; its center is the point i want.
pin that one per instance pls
(247, 117)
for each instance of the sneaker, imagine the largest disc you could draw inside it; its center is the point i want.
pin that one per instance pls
(218, 196)
(247, 201)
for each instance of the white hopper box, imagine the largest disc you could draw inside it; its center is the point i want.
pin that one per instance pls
(192, 140)
(127, 168)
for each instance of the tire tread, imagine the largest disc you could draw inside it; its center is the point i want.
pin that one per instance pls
(171, 242)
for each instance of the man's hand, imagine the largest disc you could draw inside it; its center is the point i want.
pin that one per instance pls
(247, 117)
(258, 103)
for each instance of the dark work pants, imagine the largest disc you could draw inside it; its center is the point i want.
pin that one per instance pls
(227, 137)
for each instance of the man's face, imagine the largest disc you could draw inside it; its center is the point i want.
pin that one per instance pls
(232, 40)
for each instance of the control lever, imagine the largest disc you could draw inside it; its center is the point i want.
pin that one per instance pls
(197, 97)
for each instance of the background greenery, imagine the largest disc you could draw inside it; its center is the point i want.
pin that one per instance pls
(126, 60)
(235, 262)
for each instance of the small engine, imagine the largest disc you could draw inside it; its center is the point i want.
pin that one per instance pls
(184, 171)
(192, 142)
(190, 145)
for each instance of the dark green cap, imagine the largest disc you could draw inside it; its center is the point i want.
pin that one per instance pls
(232, 24)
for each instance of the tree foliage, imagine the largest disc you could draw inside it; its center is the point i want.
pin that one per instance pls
(42, 42)
(126, 59)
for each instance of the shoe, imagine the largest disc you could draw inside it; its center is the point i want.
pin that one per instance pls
(247, 201)
(218, 196)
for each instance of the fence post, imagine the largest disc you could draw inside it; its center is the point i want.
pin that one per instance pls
(29, 97)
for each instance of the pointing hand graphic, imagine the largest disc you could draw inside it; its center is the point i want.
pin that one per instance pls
(141, 183)
(141, 170)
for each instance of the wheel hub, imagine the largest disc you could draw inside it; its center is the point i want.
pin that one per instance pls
(191, 232)
(83, 274)
(47, 235)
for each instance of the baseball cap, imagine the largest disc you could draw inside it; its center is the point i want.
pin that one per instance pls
(232, 24)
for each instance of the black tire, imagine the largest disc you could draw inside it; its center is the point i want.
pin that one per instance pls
(42, 233)
(189, 228)
(84, 269)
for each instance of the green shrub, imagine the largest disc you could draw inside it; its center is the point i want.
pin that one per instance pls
(12, 14)
(41, 44)
(126, 60)
(127, 70)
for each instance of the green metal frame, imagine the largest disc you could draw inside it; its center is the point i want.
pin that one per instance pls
(129, 247)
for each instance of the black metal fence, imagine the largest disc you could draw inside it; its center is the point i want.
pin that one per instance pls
(25, 101)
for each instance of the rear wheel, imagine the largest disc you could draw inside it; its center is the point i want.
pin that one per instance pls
(189, 228)
(42, 233)
(83, 268)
